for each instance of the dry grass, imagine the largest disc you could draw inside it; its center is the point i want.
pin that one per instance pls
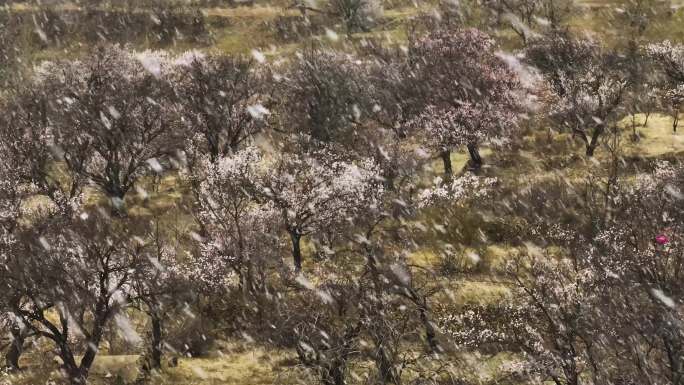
(251, 367)
(656, 139)
(259, 12)
(492, 258)
(236, 364)
(479, 292)
(459, 159)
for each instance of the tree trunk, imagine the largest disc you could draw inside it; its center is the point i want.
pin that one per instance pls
(249, 276)
(77, 375)
(591, 146)
(89, 356)
(673, 347)
(590, 150)
(86, 363)
(388, 178)
(116, 199)
(296, 249)
(475, 158)
(386, 371)
(430, 335)
(334, 375)
(15, 349)
(92, 347)
(648, 114)
(675, 122)
(155, 359)
(635, 134)
(446, 159)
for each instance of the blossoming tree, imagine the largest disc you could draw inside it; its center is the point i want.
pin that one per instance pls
(27, 172)
(311, 196)
(670, 60)
(12, 195)
(469, 93)
(640, 253)
(324, 96)
(81, 275)
(241, 232)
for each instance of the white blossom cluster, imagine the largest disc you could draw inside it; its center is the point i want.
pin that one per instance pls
(471, 329)
(674, 97)
(671, 54)
(246, 199)
(456, 190)
(311, 194)
(238, 225)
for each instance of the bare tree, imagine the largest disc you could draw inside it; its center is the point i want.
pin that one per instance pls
(355, 15)
(215, 96)
(108, 118)
(587, 85)
(328, 333)
(157, 288)
(324, 96)
(524, 16)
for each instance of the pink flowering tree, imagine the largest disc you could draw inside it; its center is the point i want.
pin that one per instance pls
(468, 93)
(670, 58)
(324, 95)
(27, 172)
(157, 288)
(605, 307)
(673, 100)
(557, 314)
(550, 318)
(590, 107)
(641, 255)
(12, 195)
(58, 258)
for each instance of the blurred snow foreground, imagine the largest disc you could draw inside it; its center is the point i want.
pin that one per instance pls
(151, 203)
